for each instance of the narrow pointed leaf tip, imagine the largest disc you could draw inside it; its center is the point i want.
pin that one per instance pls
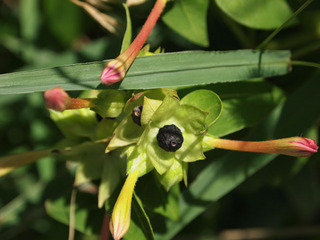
(115, 70)
(293, 146)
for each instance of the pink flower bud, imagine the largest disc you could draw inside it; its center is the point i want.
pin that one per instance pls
(56, 99)
(115, 70)
(293, 146)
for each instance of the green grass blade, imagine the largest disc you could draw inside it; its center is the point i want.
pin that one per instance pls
(160, 70)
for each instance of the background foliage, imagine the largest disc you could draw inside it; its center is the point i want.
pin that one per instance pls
(276, 197)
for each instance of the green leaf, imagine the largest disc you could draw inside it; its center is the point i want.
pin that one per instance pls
(126, 133)
(140, 226)
(91, 158)
(88, 218)
(156, 71)
(29, 19)
(63, 19)
(149, 108)
(173, 176)
(109, 103)
(260, 14)
(105, 128)
(156, 199)
(110, 178)
(75, 123)
(207, 101)
(127, 35)
(246, 106)
(304, 192)
(189, 19)
(229, 171)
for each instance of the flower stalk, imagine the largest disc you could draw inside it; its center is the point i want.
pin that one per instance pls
(120, 220)
(116, 69)
(293, 146)
(59, 100)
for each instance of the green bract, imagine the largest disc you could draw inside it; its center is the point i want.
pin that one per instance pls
(128, 132)
(76, 123)
(109, 103)
(147, 155)
(192, 115)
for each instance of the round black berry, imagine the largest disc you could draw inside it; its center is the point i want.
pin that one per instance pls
(170, 138)
(136, 114)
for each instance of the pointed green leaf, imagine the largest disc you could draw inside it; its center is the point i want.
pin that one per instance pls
(156, 71)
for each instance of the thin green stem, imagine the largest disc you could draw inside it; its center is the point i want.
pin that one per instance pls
(72, 214)
(306, 64)
(275, 32)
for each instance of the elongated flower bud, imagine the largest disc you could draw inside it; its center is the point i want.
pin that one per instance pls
(120, 220)
(115, 70)
(293, 146)
(59, 100)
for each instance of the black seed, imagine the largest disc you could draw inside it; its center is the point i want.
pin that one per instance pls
(170, 138)
(136, 114)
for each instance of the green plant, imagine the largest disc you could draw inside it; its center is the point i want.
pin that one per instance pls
(215, 94)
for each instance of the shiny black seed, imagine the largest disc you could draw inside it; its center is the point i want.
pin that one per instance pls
(136, 114)
(170, 138)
